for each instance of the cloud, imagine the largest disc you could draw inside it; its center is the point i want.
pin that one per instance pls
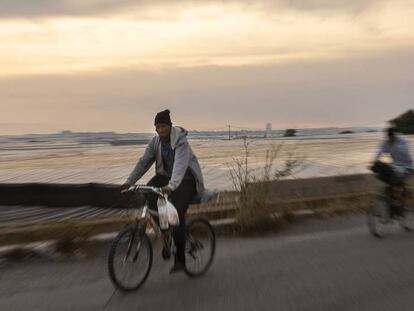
(206, 36)
(40, 8)
(329, 5)
(305, 94)
(53, 8)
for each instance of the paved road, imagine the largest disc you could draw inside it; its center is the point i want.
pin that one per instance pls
(316, 265)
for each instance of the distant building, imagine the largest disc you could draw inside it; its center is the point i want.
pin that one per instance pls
(268, 130)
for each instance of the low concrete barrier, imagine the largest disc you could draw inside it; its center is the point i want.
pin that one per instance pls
(66, 195)
(108, 195)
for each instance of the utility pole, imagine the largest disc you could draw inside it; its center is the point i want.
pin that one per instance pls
(229, 133)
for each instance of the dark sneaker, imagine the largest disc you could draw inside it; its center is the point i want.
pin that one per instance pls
(166, 254)
(178, 267)
(397, 210)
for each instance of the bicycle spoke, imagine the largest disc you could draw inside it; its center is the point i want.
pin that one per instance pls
(137, 251)
(130, 244)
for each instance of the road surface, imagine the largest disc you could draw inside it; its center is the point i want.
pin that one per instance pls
(315, 265)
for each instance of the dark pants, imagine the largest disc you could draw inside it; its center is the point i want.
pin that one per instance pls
(395, 190)
(386, 173)
(181, 199)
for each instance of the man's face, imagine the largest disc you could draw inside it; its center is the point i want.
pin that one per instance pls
(163, 130)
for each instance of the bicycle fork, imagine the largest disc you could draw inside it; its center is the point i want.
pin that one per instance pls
(139, 230)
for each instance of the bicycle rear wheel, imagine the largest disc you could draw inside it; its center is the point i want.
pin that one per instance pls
(378, 217)
(200, 247)
(130, 259)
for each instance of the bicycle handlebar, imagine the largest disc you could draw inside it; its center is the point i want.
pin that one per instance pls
(144, 188)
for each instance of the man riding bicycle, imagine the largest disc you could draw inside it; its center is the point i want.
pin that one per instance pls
(177, 172)
(394, 174)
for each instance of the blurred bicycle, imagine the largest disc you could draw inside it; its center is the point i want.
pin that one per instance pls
(394, 204)
(131, 254)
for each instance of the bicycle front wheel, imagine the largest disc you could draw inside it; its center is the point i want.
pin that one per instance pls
(130, 259)
(200, 247)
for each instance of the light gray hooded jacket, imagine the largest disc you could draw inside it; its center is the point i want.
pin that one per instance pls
(184, 158)
(399, 152)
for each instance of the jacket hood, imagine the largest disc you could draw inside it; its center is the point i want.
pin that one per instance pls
(177, 133)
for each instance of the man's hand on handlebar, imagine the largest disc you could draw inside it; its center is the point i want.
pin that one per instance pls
(125, 187)
(166, 190)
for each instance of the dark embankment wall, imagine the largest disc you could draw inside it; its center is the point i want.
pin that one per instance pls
(66, 195)
(107, 195)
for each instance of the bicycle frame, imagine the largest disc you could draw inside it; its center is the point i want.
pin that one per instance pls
(138, 242)
(147, 218)
(147, 215)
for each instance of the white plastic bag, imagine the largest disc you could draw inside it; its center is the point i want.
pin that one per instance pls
(173, 218)
(167, 213)
(162, 213)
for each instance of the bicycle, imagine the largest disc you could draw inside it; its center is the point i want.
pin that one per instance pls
(389, 207)
(132, 246)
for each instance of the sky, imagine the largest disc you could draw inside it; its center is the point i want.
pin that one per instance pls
(110, 65)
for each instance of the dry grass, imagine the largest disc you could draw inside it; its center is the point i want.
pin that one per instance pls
(253, 206)
(352, 205)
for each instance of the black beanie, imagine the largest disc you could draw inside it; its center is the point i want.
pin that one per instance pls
(391, 132)
(163, 117)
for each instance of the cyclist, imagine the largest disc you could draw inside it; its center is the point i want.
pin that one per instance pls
(402, 164)
(177, 172)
